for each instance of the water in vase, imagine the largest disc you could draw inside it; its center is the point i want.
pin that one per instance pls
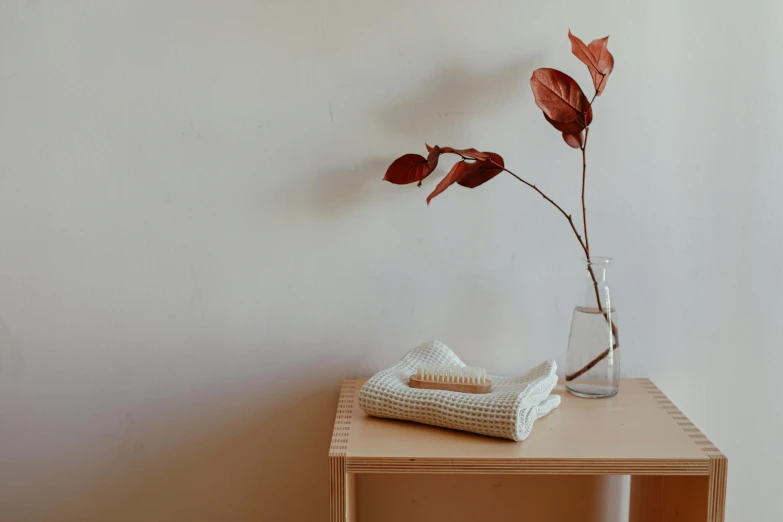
(591, 337)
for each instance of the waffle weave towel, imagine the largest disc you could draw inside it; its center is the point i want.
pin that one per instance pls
(507, 412)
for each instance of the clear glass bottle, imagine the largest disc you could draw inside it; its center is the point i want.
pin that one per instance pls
(593, 362)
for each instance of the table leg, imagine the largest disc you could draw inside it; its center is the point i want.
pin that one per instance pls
(681, 498)
(350, 498)
(342, 492)
(668, 498)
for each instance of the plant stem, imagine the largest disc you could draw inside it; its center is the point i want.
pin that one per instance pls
(558, 207)
(584, 244)
(607, 314)
(584, 176)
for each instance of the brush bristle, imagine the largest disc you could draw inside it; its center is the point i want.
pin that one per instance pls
(452, 374)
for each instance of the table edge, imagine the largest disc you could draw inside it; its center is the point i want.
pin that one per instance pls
(714, 460)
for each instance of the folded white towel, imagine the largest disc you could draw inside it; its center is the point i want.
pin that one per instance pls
(508, 411)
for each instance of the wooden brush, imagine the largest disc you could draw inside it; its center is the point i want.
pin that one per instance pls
(462, 379)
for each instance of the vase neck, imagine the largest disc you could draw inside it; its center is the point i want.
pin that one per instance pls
(598, 266)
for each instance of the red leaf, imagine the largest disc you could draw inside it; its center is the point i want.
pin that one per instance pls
(470, 175)
(471, 153)
(567, 128)
(407, 169)
(574, 140)
(432, 158)
(480, 172)
(456, 172)
(584, 53)
(605, 63)
(561, 98)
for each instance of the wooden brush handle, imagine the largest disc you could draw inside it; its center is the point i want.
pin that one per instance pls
(485, 387)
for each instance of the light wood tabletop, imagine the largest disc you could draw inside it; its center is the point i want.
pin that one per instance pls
(638, 432)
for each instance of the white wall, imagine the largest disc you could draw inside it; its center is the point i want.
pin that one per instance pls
(197, 245)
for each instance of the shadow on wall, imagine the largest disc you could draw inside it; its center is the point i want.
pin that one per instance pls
(455, 96)
(441, 111)
(272, 466)
(337, 191)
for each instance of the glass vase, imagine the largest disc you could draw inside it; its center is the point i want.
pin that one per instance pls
(593, 362)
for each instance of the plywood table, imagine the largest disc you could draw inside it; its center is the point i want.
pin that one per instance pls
(677, 474)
